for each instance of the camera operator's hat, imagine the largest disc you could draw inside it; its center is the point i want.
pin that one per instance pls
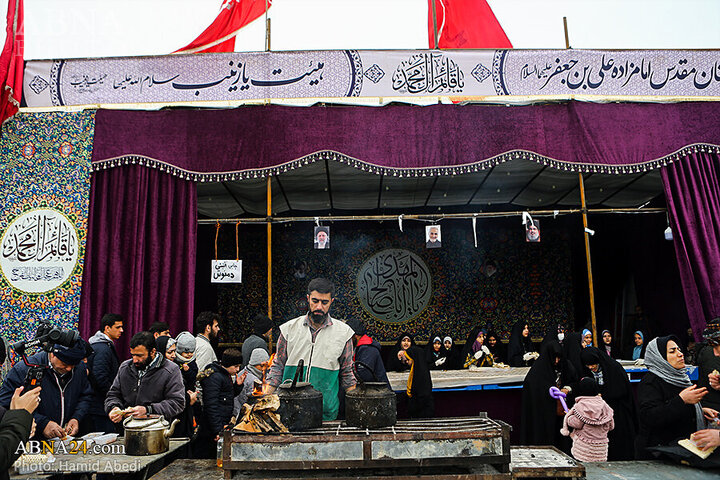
(712, 331)
(71, 356)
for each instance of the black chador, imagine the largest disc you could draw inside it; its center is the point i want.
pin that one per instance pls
(541, 419)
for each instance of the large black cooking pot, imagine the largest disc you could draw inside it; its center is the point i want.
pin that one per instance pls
(301, 406)
(370, 404)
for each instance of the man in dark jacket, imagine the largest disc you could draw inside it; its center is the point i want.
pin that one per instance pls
(259, 338)
(103, 366)
(66, 392)
(219, 391)
(367, 355)
(146, 384)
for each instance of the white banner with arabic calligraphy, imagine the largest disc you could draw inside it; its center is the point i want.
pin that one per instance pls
(39, 251)
(351, 73)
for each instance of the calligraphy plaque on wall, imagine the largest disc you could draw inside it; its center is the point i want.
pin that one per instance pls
(394, 285)
(39, 251)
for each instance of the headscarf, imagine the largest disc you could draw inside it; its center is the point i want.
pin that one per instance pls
(162, 344)
(585, 333)
(592, 356)
(608, 347)
(637, 350)
(477, 345)
(518, 344)
(656, 362)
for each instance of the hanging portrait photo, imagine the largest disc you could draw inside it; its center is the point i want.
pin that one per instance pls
(488, 268)
(532, 231)
(322, 238)
(433, 236)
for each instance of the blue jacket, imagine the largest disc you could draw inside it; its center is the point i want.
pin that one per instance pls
(57, 405)
(367, 351)
(103, 366)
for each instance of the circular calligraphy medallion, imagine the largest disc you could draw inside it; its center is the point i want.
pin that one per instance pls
(39, 251)
(394, 285)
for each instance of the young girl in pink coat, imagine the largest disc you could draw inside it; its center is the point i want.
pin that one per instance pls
(590, 420)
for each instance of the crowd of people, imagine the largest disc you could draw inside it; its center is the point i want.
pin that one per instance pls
(87, 388)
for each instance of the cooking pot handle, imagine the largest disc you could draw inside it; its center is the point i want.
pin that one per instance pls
(297, 372)
(368, 369)
(167, 433)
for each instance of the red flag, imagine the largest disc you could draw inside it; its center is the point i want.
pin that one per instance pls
(220, 35)
(11, 61)
(465, 24)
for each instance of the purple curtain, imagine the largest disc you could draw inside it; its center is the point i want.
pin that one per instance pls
(140, 257)
(692, 190)
(405, 136)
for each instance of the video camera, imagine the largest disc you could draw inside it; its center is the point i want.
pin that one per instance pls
(46, 337)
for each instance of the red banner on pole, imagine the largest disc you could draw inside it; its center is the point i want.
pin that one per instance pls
(11, 61)
(220, 35)
(465, 24)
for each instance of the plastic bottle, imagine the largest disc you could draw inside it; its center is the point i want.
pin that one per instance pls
(220, 452)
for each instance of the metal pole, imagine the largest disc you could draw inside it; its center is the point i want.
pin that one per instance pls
(435, 30)
(269, 251)
(567, 37)
(430, 216)
(267, 28)
(589, 264)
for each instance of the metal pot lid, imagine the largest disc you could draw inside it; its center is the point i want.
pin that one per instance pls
(298, 385)
(146, 422)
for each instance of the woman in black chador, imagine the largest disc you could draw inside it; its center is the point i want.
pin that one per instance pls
(436, 355)
(542, 416)
(404, 341)
(616, 391)
(572, 347)
(419, 385)
(520, 345)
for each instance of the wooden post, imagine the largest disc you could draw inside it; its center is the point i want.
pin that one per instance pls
(269, 251)
(587, 256)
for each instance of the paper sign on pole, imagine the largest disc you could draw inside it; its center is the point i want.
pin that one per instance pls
(226, 271)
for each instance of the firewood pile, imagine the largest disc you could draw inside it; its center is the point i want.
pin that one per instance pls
(261, 417)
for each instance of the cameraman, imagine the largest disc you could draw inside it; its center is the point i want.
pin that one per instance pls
(66, 392)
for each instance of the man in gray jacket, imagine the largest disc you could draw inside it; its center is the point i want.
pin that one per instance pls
(146, 384)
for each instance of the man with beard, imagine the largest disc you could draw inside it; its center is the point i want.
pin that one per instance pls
(66, 392)
(148, 383)
(323, 343)
(207, 329)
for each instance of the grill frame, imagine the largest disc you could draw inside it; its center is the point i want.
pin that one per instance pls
(468, 441)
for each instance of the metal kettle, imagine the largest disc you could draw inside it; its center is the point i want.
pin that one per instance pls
(301, 405)
(370, 404)
(148, 434)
